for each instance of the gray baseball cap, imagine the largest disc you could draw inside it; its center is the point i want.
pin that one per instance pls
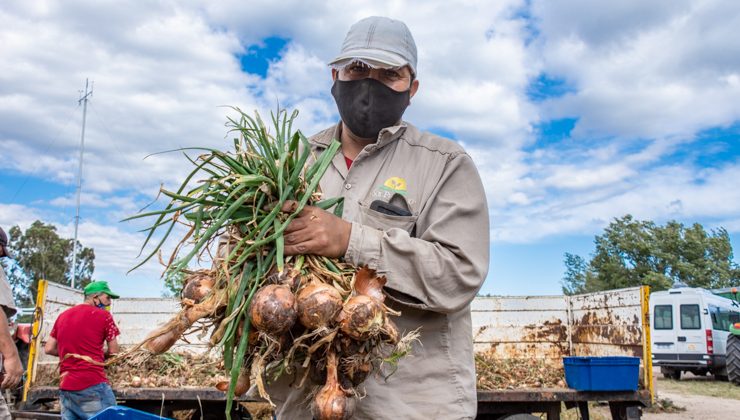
(379, 42)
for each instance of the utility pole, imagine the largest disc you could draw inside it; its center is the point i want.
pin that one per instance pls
(83, 101)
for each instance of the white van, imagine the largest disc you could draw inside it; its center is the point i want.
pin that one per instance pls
(689, 331)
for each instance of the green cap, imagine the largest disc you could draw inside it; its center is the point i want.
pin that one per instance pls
(99, 287)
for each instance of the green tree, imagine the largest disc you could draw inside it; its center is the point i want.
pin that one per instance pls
(173, 281)
(632, 253)
(40, 253)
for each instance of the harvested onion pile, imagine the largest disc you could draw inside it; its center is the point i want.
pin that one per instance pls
(495, 373)
(271, 315)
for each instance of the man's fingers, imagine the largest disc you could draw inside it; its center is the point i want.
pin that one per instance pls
(307, 247)
(15, 380)
(9, 382)
(296, 237)
(297, 224)
(289, 206)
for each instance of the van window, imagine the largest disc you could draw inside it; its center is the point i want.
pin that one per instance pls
(722, 318)
(663, 317)
(690, 319)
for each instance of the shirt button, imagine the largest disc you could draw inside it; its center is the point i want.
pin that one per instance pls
(347, 186)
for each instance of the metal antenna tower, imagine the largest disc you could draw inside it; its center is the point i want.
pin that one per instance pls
(83, 101)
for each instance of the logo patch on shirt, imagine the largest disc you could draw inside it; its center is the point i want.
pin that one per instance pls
(395, 184)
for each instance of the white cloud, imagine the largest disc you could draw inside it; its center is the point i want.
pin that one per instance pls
(642, 70)
(644, 80)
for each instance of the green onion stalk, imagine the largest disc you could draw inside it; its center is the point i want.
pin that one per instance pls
(269, 313)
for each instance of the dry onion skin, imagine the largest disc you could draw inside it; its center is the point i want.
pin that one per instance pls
(369, 284)
(241, 386)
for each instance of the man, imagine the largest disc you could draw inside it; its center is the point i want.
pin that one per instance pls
(77, 338)
(414, 210)
(11, 365)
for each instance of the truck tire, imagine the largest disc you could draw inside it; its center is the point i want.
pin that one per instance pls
(670, 373)
(733, 358)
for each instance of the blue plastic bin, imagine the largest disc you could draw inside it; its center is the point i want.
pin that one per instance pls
(119, 412)
(610, 373)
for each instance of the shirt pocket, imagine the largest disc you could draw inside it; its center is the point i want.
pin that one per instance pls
(382, 221)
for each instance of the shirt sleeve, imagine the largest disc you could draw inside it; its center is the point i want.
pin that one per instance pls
(111, 330)
(53, 332)
(6, 295)
(444, 266)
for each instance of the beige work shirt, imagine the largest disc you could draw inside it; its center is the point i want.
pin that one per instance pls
(6, 295)
(435, 261)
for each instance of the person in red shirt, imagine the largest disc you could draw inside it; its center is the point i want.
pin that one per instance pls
(78, 338)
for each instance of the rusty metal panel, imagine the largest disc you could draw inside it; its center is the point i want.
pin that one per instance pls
(594, 324)
(521, 318)
(590, 349)
(623, 335)
(521, 326)
(607, 323)
(549, 331)
(518, 303)
(609, 298)
(621, 315)
(542, 350)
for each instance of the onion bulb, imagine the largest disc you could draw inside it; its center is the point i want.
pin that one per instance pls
(362, 317)
(197, 286)
(318, 304)
(331, 402)
(354, 372)
(196, 312)
(273, 309)
(242, 384)
(164, 337)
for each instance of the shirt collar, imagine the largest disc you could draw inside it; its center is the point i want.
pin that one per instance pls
(387, 135)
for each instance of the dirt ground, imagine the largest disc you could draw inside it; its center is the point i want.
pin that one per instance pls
(700, 397)
(690, 398)
(697, 407)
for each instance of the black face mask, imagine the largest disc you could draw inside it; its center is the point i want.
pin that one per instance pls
(368, 106)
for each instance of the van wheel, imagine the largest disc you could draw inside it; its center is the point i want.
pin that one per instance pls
(669, 373)
(733, 358)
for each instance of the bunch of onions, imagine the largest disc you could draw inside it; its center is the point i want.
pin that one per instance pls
(267, 311)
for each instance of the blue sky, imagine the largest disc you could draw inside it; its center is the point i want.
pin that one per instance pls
(576, 112)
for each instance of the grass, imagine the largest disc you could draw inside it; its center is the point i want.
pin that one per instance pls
(698, 385)
(664, 405)
(596, 411)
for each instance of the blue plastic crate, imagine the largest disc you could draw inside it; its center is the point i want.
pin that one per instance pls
(609, 373)
(119, 412)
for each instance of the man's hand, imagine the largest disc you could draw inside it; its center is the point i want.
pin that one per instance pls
(50, 347)
(316, 231)
(13, 371)
(11, 361)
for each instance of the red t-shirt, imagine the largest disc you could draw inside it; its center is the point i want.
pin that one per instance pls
(82, 330)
